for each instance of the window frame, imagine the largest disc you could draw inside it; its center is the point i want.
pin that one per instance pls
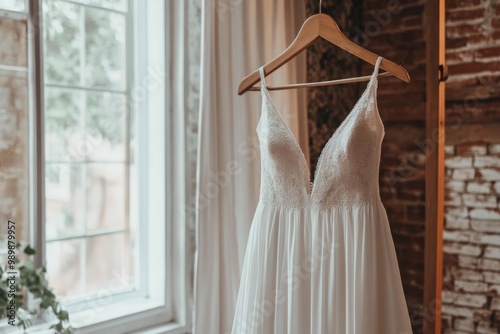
(137, 315)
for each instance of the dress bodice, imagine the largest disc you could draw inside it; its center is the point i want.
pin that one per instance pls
(348, 166)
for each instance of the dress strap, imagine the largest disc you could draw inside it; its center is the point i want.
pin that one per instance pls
(377, 64)
(262, 78)
(375, 70)
(373, 79)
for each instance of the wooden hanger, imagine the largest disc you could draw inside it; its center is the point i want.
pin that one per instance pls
(316, 26)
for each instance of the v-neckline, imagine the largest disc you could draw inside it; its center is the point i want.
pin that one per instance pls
(311, 185)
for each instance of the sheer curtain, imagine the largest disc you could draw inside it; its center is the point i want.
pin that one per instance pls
(237, 37)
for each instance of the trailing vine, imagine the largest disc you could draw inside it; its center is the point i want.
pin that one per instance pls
(33, 280)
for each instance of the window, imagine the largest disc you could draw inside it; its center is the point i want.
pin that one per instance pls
(109, 230)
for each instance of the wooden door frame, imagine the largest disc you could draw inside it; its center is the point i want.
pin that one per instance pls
(434, 184)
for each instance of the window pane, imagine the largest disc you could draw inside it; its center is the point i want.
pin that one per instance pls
(106, 126)
(17, 5)
(64, 200)
(62, 42)
(64, 267)
(110, 268)
(64, 137)
(88, 141)
(105, 49)
(106, 197)
(120, 5)
(13, 42)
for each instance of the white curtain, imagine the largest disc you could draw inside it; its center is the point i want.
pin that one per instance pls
(237, 37)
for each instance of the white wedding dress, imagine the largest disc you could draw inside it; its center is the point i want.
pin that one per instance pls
(320, 258)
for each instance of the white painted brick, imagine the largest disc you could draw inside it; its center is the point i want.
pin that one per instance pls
(448, 173)
(457, 223)
(458, 162)
(464, 174)
(492, 226)
(462, 249)
(474, 287)
(456, 212)
(478, 187)
(452, 331)
(491, 277)
(486, 214)
(456, 235)
(479, 201)
(467, 262)
(469, 275)
(487, 174)
(491, 265)
(449, 150)
(481, 162)
(486, 327)
(496, 187)
(494, 148)
(491, 252)
(495, 304)
(453, 199)
(494, 290)
(456, 186)
(448, 296)
(464, 324)
(482, 314)
(457, 311)
(489, 239)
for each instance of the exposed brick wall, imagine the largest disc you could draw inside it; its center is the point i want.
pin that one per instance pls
(402, 190)
(471, 269)
(473, 41)
(13, 128)
(328, 106)
(395, 30)
(471, 301)
(472, 54)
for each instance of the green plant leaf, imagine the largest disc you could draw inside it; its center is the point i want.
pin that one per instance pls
(48, 293)
(29, 251)
(63, 315)
(45, 304)
(58, 327)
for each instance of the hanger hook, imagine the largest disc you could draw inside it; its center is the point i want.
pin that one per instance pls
(320, 1)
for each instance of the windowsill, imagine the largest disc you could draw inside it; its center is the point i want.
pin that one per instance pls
(42, 328)
(170, 328)
(101, 314)
(134, 315)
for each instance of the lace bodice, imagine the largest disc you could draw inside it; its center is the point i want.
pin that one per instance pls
(348, 166)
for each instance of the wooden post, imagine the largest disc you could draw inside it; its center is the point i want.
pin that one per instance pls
(434, 185)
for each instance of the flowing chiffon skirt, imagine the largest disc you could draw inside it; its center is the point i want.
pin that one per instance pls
(316, 272)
